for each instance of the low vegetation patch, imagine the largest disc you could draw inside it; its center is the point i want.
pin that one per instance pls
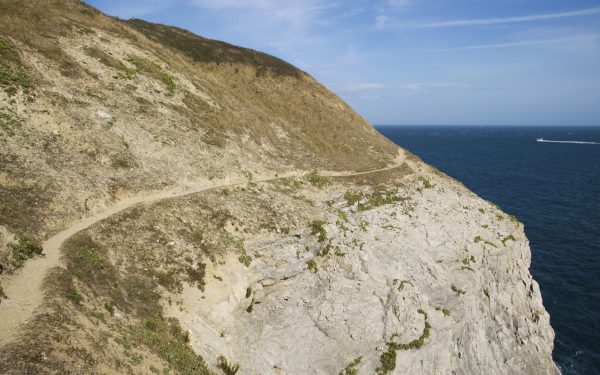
(312, 266)
(514, 219)
(75, 297)
(169, 83)
(317, 227)
(105, 58)
(401, 284)
(510, 237)
(457, 290)
(167, 338)
(425, 183)
(467, 263)
(351, 369)
(238, 245)
(25, 248)
(227, 367)
(367, 201)
(388, 358)
(317, 180)
(9, 121)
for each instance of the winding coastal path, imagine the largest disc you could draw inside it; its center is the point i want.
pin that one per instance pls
(25, 288)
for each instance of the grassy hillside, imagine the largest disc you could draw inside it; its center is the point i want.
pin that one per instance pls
(95, 110)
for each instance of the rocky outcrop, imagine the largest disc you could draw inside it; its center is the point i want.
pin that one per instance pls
(440, 268)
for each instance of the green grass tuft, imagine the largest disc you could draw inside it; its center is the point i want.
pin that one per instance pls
(317, 227)
(351, 368)
(318, 181)
(457, 290)
(312, 265)
(25, 248)
(226, 367)
(170, 84)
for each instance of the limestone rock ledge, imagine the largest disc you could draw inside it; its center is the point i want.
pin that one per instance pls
(440, 281)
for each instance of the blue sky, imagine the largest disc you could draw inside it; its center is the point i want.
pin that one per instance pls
(509, 62)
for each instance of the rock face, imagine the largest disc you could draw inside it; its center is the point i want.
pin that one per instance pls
(204, 206)
(441, 258)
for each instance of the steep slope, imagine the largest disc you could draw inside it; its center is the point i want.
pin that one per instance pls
(203, 205)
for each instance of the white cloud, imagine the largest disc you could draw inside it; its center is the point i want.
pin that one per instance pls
(298, 13)
(374, 86)
(524, 43)
(503, 20)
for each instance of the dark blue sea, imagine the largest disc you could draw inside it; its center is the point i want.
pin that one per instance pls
(554, 189)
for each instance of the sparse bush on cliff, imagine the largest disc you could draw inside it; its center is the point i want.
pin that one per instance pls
(9, 121)
(317, 180)
(227, 367)
(75, 297)
(238, 245)
(388, 358)
(169, 83)
(351, 368)
(457, 290)
(24, 249)
(312, 265)
(317, 227)
(510, 237)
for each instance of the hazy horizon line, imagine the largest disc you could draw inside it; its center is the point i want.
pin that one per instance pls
(488, 125)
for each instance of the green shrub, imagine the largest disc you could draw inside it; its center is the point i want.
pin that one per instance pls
(169, 83)
(312, 265)
(514, 219)
(226, 367)
(510, 237)
(426, 183)
(144, 65)
(317, 227)
(467, 263)
(245, 259)
(351, 368)
(90, 257)
(388, 362)
(238, 245)
(352, 198)
(75, 297)
(171, 344)
(9, 121)
(457, 290)
(110, 308)
(98, 315)
(370, 201)
(446, 312)
(250, 307)
(4, 47)
(401, 285)
(25, 248)
(364, 225)
(388, 359)
(8, 77)
(318, 181)
(151, 324)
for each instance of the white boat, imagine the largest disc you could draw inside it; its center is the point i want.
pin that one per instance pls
(540, 140)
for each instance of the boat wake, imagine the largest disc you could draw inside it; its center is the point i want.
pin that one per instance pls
(576, 142)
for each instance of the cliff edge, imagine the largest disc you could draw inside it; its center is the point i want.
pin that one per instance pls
(174, 204)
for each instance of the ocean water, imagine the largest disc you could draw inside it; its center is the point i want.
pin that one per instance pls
(554, 189)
